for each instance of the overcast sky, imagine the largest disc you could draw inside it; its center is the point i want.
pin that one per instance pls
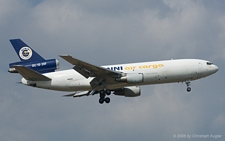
(105, 32)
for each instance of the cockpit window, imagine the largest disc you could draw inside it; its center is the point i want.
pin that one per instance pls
(209, 63)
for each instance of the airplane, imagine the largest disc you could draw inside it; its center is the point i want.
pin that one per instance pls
(30, 59)
(86, 79)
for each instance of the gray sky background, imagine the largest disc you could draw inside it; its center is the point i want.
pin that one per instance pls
(105, 32)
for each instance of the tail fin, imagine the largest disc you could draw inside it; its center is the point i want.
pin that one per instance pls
(31, 59)
(24, 52)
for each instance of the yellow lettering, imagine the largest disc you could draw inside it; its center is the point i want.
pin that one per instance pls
(127, 68)
(130, 68)
(154, 66)
(160, 65)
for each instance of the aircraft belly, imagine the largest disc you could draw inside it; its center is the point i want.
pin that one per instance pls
(59, 85)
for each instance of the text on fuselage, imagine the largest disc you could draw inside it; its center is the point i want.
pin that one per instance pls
(120, 68)
(38, 64)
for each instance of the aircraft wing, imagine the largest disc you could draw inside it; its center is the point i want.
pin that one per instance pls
(89, 70)
(29, 74)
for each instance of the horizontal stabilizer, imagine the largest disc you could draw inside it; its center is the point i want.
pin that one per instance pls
(31, 75)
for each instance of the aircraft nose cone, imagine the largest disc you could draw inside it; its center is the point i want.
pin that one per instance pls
(216, 68)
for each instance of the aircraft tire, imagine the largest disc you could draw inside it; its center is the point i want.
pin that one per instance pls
(101, 100)
(102, 92)
(188, 89)
(102, 96)
(107, 100)
(108, 92)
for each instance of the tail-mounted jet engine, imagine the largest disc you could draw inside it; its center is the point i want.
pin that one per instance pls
(39, 66)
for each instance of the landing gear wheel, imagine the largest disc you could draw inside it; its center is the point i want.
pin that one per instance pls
(107, 100)
(102, 92)
(108, 92)
(101, 100)
(102, 96)
(188, 89)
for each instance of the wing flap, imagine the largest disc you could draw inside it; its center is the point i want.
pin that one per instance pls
(78, 94)
(31, 75)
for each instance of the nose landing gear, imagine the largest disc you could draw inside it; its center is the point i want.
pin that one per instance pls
(188, 83)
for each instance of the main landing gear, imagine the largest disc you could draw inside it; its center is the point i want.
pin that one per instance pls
(188, 83)
(103, 97)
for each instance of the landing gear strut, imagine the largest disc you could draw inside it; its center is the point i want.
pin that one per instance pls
(102, 98)
(188, 83)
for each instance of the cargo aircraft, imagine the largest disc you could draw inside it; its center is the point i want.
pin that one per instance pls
(86, 79)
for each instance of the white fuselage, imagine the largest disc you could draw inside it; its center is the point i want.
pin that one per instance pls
(153, 73)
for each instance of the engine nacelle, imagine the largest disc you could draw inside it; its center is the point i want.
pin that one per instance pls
(39, 66)
(129, 91)
(131, 78)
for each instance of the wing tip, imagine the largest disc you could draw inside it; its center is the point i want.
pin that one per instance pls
(64, 55)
